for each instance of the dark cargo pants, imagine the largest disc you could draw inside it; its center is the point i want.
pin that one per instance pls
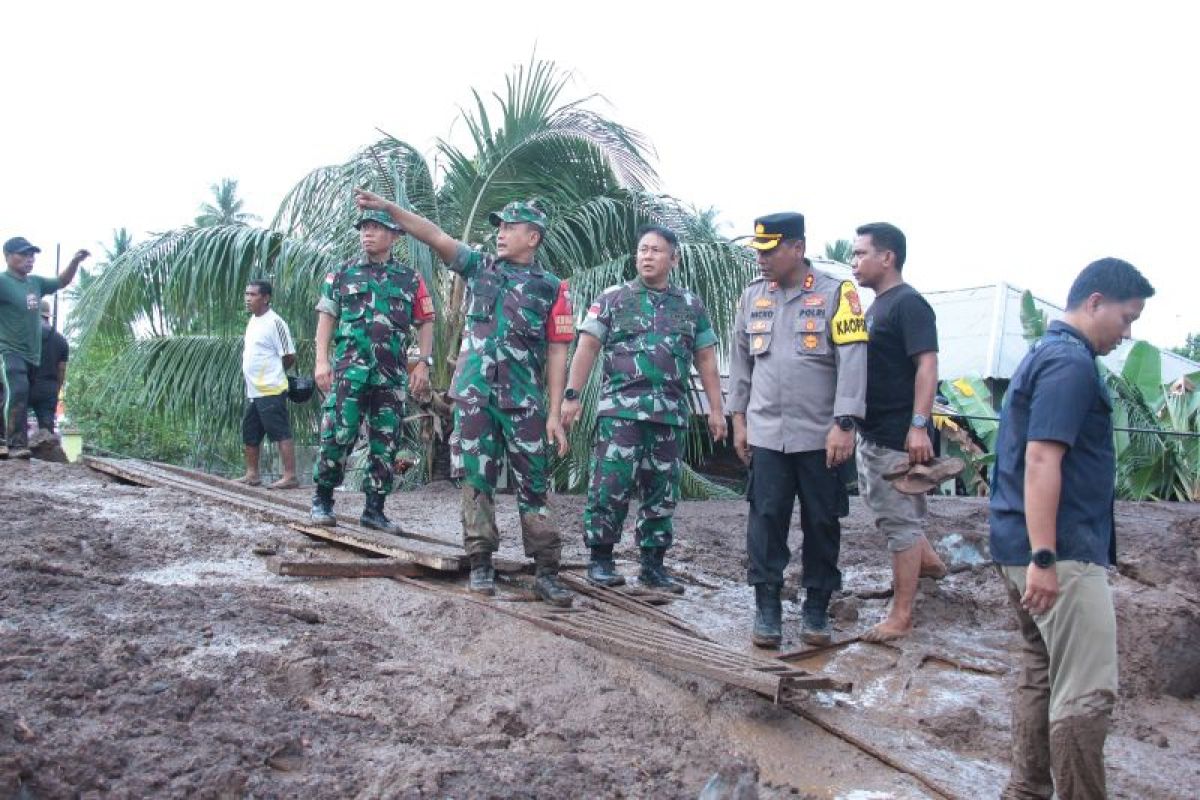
(776, 479)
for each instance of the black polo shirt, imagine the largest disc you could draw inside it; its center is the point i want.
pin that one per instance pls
(1057, 395)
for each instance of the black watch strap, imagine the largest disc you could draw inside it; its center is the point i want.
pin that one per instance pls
(846, 423)
(570, 394)
(1044, 559)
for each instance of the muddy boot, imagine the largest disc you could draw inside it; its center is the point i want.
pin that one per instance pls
(768, 615)
(654, 574)
(322, 507)
(815, 613)
(551, 591)
(374, 518)
(483, 575)
(602, 571)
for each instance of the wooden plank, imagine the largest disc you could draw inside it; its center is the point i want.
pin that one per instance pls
(435, 556)
(356, 568)
(384, 545)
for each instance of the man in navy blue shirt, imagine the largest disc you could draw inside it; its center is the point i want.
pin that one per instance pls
(1052, 536)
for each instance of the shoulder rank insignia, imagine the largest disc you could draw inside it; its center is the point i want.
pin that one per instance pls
(849, 326)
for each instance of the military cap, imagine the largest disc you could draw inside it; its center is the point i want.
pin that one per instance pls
(519, 211)
(19, 244)
(772, 229)
(382, 217)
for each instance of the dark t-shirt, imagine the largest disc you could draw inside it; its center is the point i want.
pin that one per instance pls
(901, 325)
(55, 350)
(1057, 395)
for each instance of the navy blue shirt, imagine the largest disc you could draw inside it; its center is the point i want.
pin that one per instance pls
(1057, 395)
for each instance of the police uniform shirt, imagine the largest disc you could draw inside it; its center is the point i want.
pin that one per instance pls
(798, 359)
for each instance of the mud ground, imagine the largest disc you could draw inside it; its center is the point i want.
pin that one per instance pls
(146, 652)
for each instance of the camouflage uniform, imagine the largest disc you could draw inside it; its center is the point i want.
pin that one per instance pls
(515, 311)
(648, 338)
(375, 307)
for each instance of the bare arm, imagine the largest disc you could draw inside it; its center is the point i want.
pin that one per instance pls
(1043, 489)
(556, 379)
(587, 347)
(62, 374)
(323, 372)
(710, 379)
(918, 445)
(414, 225)
(67, 275)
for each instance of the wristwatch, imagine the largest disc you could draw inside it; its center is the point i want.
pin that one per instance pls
(570, 394)
(1043, 559)
(920, 420)
(845, 423)
(426, 360)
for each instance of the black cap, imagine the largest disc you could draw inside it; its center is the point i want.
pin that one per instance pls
(772, 229)
(19, 244)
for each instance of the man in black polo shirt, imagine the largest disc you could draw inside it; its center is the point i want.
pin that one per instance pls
(1052, 536)
(902, 376)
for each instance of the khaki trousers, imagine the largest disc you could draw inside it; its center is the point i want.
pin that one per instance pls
(1067, 686)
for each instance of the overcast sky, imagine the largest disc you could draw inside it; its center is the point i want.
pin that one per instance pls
(1015, 142)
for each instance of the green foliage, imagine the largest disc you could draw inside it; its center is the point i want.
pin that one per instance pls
(1191, 347)
(1033, 319)
(841, 251)
(171, 307)
(226, 208)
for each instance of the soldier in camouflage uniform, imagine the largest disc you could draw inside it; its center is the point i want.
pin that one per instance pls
(519, 325)
(648, 331)
(368, 308)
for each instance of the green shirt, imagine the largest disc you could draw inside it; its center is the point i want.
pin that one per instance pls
(20, 323)
(649, 337)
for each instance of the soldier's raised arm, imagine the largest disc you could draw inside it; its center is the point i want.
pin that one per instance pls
(416, 226)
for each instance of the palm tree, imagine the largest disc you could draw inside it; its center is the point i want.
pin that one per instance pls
(841, 251)
(592, 173)
(226, 208)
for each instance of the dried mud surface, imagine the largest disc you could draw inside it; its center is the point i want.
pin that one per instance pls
(145, 651)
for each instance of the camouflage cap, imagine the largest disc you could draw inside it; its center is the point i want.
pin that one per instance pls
(382, 217)
(519, 211)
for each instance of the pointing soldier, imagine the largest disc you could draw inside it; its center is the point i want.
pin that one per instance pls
(648, 332)
(368, 309)
(798, 378)
(519, 325)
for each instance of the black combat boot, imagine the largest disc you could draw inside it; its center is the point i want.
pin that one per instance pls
(373, 516)
(654, 574)
(322, 507)
(815, 613)
(549, 589)
(483, 574)
(602, 571)
(768, 615)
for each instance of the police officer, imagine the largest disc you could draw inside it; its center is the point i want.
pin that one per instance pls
(649, 331)
(798, 378)
(368, 308)
(519, 325)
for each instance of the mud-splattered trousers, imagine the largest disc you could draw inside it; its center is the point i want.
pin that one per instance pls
(515, 312)
(375, 306)
(1067, 686)
(633, 455)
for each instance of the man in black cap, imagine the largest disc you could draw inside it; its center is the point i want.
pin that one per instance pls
(21, 334)
(797, 381)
